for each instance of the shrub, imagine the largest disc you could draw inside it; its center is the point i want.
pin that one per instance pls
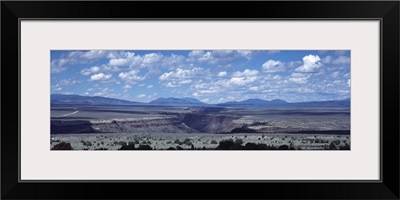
(336, 142)
(239, 141)
(192, 147)
(144, 147)
(131, 143)
(253, 146)
(345, 147)
(101, 142)
(137, 142)
(179, 148)
(62, 146)
(188, 142)
(171, 148)
(177, 141)
(214, 142)
(332, 146)
(127, 147)
(169, 142)
(283, 147)
(122, 143)
(101, 149)
(228, 145)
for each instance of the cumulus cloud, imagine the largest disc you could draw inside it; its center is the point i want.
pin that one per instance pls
(75, 57)
(100, 77)
(88, 71)
(222, 74)
(150, 61)
(150, 86)
(272, 66)
(299, 78)
(335, 75)
(127, 87)
(311, 63)
(131, 76)
(341, 60)
(103, 92)
(217, 57)
(141, 96)
(180, 76)
(69, 81)
(246, 73)
(270, 52)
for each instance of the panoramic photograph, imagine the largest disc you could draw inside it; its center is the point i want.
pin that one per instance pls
(200, 100)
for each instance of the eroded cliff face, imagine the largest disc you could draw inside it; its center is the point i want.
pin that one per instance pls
(184, 123)
(209, 123)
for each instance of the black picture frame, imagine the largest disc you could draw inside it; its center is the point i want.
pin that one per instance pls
(386, 11)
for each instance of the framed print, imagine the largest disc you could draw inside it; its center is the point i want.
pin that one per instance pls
(114, 95)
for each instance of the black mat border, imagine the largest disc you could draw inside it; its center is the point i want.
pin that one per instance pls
(387, 12)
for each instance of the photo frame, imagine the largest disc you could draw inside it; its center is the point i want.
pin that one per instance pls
(386, 12)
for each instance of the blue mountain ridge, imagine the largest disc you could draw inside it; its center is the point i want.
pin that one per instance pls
(97, 100)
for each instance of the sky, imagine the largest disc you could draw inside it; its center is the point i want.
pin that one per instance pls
(211, 76)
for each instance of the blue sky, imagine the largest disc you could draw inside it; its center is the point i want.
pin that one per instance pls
(212, 76)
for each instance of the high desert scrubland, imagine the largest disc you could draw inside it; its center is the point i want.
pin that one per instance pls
(191, 126)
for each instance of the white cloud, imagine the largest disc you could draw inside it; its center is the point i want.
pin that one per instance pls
(272, 52)
(335, 75)
(56, 88)
(141, 96)
(75, 57)
(65, 82)
(245, 53)
(100, 77)
(103, 92)
(150, 86)
(217, 57)
(180, 76)
(131, 76)
(88, 71)
(151, 60)
(272, 66)
(127, 87)
(327, 60)
(341, 60)
(253, 88)
(222, 74)
(348, 82)
(205, 100)
(299, 78)
(242, 80)
(311, 63)
(246, 73)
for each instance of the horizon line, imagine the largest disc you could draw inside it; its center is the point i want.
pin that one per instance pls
(202, 101)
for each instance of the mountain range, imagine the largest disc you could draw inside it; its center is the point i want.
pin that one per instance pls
(62, 99)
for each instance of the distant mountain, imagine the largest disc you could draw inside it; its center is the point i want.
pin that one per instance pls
(333, 103)
(87, 100)
(63, 99)
(172, 100)
(255, 102)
